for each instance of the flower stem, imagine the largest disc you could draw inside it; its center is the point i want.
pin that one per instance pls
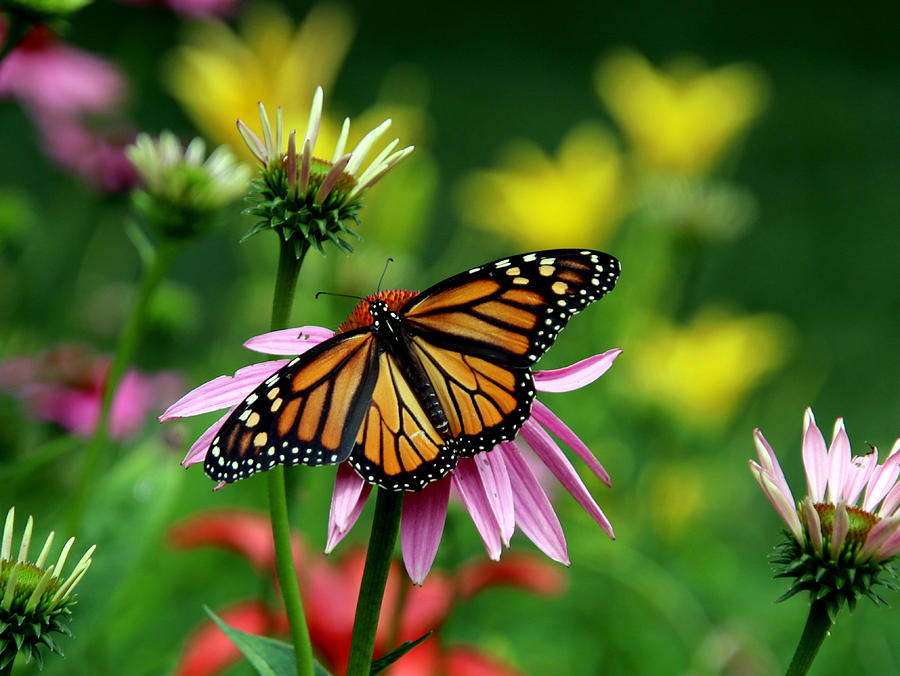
(285, 285)
(155, 267)
(817, 625)
(385, 527)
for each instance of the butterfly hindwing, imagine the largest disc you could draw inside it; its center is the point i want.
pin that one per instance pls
(398, 446)
(510, 311)
(485, 403)
(308, 412)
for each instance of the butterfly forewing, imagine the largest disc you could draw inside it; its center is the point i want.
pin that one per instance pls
(308, 412)
(398, 447)
(510, 311)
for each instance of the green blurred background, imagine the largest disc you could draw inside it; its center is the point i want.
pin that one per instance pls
(686, 587)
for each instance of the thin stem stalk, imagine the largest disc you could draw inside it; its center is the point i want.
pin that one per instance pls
(285, 286)
(385, 527)
(155, 268)
(817, 625)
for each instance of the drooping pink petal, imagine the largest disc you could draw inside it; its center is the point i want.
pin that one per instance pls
(534, 513)
(223, 391)
(289, 341)
(557, 462)
(467, 481)
(548, 419)
(813, 524)
(769, 463)
(891, 547)
(840, 529)
(883, 478)
(815, 457)
(347, 502)
(421, 527)
(891, 502)
(577, 375)
(858, 473)
(199, 449)
(838, 461)
(876, 538)
(783, 504)
(495, 479)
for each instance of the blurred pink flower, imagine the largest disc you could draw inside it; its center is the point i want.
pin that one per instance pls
(498, 488)
(64, 385)
(96, 156)
(199, 9)
(63, 88)
(330, 590)
(852, 506)
(56, 79)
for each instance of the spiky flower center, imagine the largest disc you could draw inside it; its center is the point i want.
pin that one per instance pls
(394, 298)
(861, 523)
(318, 172)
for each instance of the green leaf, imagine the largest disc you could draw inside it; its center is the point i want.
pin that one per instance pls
(383, 663)
(268, 656)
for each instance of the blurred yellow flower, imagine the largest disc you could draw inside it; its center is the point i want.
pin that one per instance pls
(705, 369)
(219, 76)
(680, 120)
(677, 494)
(570, 200)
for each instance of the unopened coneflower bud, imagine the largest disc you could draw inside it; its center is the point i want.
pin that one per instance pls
(311, 201)
(35, 599)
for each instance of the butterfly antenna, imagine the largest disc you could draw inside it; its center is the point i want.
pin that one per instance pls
(384, 272)
(339, 295)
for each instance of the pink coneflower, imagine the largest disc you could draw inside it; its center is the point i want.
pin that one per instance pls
(848, 525)
(65, 386)
(498, 487)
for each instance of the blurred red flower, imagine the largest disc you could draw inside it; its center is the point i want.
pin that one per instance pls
(330, 588)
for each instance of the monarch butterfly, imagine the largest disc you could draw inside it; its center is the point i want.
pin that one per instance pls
(412, 381)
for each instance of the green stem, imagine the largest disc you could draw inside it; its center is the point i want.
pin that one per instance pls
(154, 271)
(287, 574)
(385, 527)
(817, 625)
(285, 285)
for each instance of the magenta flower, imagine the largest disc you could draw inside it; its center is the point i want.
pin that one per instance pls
(63, 88)
(198, 9)
(54, 78)
(497, 488)
(847, 526)
(65, 386)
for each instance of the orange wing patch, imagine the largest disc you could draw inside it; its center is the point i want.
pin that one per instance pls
(459, 295)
